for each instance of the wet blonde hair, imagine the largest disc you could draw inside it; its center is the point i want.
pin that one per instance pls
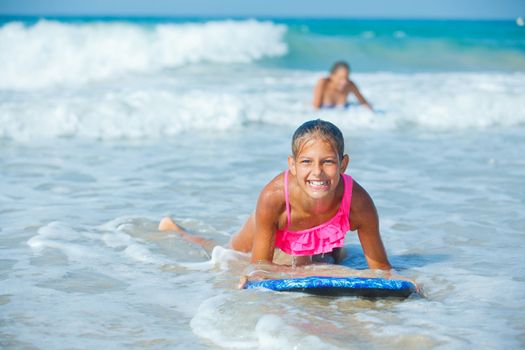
(318, 129)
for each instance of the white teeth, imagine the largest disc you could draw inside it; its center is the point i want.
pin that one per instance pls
(318, 183)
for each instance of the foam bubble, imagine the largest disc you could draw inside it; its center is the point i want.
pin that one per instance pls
(116, 239)
(141, 253)
(60, 236)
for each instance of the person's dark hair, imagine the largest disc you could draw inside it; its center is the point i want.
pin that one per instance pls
(320, 129)
(338, 65)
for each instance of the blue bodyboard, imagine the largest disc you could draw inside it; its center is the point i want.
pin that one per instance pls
(339, 286)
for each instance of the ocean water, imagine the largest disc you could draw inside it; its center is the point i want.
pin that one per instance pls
(107, 125)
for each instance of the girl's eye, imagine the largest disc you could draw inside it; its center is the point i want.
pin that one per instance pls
(305, 161)
(329, 161)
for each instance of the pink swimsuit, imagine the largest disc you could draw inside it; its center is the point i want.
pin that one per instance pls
(319, 239)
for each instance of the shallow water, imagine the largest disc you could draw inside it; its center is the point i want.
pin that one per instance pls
(90, 162)
(83, 264)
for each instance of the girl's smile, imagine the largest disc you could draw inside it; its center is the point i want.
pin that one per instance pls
(318, 185)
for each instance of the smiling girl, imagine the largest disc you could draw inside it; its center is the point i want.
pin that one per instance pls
(306, 211)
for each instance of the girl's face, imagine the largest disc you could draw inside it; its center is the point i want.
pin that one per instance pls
(317, 168)
(340, 78)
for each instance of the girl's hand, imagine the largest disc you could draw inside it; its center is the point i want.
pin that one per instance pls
(261, 271)
(255, 275)
(242, 282)
(393, 275)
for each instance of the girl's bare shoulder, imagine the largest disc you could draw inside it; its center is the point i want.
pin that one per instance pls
(272, 195)
(362, 207)
(323, 81)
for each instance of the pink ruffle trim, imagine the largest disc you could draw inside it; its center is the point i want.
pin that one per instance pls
(317, 240)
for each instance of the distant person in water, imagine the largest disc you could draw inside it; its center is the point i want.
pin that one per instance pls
(333, 91)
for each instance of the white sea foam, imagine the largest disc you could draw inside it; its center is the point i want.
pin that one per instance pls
(50, 53)
(175, 103)
(215, 317)
(222, 257)
(60, 236)
(273, 333)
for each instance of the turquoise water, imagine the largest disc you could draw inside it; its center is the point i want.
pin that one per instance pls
(371, 45)
(106, 125)
(406, 46)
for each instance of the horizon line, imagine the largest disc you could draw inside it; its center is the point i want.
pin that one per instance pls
(282, 17)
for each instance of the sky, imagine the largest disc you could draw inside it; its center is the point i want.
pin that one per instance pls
(453, 9)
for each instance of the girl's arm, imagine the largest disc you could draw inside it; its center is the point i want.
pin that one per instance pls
(364, 218)
(362, 100)
(270, 206)
(267, 213)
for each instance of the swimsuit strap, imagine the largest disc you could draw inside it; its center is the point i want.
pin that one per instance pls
(288, 215)
(347, 196)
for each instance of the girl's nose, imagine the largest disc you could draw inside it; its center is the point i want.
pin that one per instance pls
(317, 169)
